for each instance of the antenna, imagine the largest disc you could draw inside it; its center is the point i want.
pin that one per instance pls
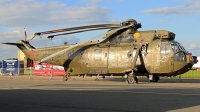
(25, 34)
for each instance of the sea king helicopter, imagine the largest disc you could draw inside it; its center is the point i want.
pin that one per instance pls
(122, 51)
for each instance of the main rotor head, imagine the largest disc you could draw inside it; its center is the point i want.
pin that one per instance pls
(131, 22)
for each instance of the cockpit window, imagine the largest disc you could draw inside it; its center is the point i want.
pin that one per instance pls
(178, 47)
(179, 51)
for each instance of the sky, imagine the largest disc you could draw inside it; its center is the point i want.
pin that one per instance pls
(179, 16)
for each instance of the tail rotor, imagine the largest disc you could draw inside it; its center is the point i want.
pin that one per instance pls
(25, 34)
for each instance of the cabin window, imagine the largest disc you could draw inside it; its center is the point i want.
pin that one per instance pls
(97, 54)
(133, 54)
(165, 48)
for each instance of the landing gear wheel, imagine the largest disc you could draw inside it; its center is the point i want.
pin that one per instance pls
(155, 79)
(96, 79)
(103, 76)
(132, 79)
(136, 80)
(65, 78)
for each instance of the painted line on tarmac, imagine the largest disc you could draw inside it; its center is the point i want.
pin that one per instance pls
(159, 93)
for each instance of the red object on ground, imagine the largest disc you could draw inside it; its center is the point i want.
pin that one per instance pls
(45, 69)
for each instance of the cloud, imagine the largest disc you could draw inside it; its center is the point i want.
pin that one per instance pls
(192, 46)
(11, 34)
(35, 13)
(190, 8)
(3, 1)
(56, 41)
(80, 15)
(14, 34)
(8, 52)
(91, 1)
(98, 1)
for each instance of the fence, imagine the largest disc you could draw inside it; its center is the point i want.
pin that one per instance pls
(191, 74)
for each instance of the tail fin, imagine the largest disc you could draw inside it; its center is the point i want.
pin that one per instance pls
(24, 46)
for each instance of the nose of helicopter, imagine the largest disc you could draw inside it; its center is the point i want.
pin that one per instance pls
(191, 60)
(195, 59)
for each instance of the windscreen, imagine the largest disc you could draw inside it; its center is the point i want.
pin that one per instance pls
(179, 51)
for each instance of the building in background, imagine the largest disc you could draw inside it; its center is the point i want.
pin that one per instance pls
(28, 63)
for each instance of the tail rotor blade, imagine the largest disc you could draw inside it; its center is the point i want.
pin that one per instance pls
(25, 34)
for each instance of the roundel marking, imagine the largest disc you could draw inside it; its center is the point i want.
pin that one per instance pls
(136, 35)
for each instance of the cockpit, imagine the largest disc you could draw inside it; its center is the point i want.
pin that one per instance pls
(178, 51)
(174, 47)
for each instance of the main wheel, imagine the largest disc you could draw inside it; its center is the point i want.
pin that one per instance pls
(132, 79)
(155, 79)
(136, 79)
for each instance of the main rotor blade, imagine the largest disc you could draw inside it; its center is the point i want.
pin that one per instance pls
(71, 47)
(79, 28)
(51, 36)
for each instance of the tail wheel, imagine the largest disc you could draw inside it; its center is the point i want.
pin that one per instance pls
(65, 78)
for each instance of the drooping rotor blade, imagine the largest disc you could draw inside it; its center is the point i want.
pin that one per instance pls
(79, 28)
(89, 27)
(51, 36)
(71, 47)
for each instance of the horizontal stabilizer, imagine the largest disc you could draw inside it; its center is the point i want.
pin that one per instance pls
(16, 44)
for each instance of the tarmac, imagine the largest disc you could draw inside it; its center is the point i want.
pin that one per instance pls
(44, 93)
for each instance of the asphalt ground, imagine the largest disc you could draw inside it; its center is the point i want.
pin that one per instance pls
(42, 94)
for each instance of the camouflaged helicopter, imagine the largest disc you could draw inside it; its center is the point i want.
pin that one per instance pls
(123, 51)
